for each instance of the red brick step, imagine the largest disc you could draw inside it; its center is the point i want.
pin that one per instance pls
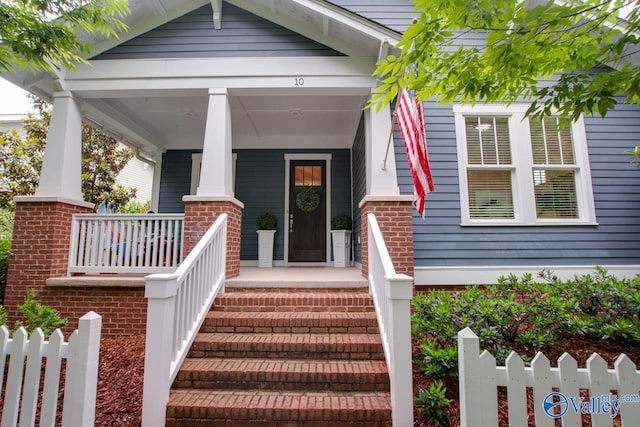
(285, 358)
(215, 407)
(293, 346)
(281, 374)
(302, 301)
(288, 322)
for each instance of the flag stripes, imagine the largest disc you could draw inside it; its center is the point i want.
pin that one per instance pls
(410, 119)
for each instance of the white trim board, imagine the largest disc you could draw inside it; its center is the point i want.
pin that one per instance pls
(465, 275)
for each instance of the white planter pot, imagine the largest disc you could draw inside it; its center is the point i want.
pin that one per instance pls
(265, 247)
(341, 248)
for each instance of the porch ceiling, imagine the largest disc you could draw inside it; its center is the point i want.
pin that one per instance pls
(258, 120)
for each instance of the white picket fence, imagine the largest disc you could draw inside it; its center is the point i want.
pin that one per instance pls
(116, 243)
(558, 387)
(26, 356)
(177, 305)
(392, 294)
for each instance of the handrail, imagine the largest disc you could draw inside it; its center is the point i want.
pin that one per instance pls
(125, 243)
(391, 294)
(177, 306)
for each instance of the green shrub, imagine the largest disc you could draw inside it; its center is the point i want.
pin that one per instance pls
(3, 316)
(134, 206)
(523, 311)
(40, 316)
(601, 306)
(267, 221)
(438, 361)
(6, 231)
(341, 222)
(433, 402)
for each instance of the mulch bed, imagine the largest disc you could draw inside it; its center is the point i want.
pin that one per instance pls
(120, 378)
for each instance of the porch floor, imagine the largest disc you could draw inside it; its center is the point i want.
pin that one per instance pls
(298, 277)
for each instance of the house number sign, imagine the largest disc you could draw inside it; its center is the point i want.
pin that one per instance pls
(298, 81)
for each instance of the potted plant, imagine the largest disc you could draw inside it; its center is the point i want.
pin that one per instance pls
(341, 237)
(267, 225)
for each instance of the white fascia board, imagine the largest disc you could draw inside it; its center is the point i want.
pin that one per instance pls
(377, 33)
(140, 75)
(472, 275)
(224, 67)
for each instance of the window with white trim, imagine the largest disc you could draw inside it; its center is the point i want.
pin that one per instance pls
(519, 171)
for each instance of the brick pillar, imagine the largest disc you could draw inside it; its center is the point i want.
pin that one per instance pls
(40, 247)
(198, 217)
(394, 219)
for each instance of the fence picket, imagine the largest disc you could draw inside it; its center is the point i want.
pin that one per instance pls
(628, 385)
(32, 379)
(568, 368)
(81, 382)
(4, 349)
(541, 387)
(52, 379)
(468, 366)
(479, 379)
(17, 353)
(516, 390)
(598, 386)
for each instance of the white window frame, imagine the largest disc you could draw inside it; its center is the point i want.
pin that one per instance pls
(524, 205)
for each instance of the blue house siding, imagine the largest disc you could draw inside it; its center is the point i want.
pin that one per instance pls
(359, 171)
(441, 241)
(193, 36)
(395, 14)
(175, 180)
(260, 185)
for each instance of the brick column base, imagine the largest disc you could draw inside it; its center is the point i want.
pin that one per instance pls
(39, 248)
(394, 219)
(198, 217)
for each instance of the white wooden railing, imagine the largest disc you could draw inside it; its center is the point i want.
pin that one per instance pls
(25, 367)
(177, 305)
(115, 243)
(556, 391)
(392, 294)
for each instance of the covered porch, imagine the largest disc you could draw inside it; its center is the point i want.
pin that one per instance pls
(227, 135)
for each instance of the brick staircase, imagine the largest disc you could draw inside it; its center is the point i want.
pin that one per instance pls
(285, 357)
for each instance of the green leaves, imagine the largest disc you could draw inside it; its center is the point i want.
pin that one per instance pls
(496, 51)
(44, 33)
(433, 402)
(40, 316)
(102, 160)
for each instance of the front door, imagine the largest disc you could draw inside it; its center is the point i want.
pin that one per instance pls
(307, 211)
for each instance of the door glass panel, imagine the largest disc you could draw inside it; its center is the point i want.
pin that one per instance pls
(308, 176)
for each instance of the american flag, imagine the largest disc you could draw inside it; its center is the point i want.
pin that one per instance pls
(410, 119)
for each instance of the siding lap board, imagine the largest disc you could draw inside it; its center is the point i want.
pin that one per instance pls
(243, 34)
(441, 241)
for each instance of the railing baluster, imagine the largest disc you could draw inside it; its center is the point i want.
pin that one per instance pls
(391, 294)
(112, 243)
(188, 294)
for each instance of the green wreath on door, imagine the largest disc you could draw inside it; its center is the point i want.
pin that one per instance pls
(308, 200)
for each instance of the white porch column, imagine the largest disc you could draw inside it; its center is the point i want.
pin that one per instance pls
(216, 170)
(61, 175)
(378, 128)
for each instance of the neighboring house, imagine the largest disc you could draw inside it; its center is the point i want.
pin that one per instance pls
(245, 103)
